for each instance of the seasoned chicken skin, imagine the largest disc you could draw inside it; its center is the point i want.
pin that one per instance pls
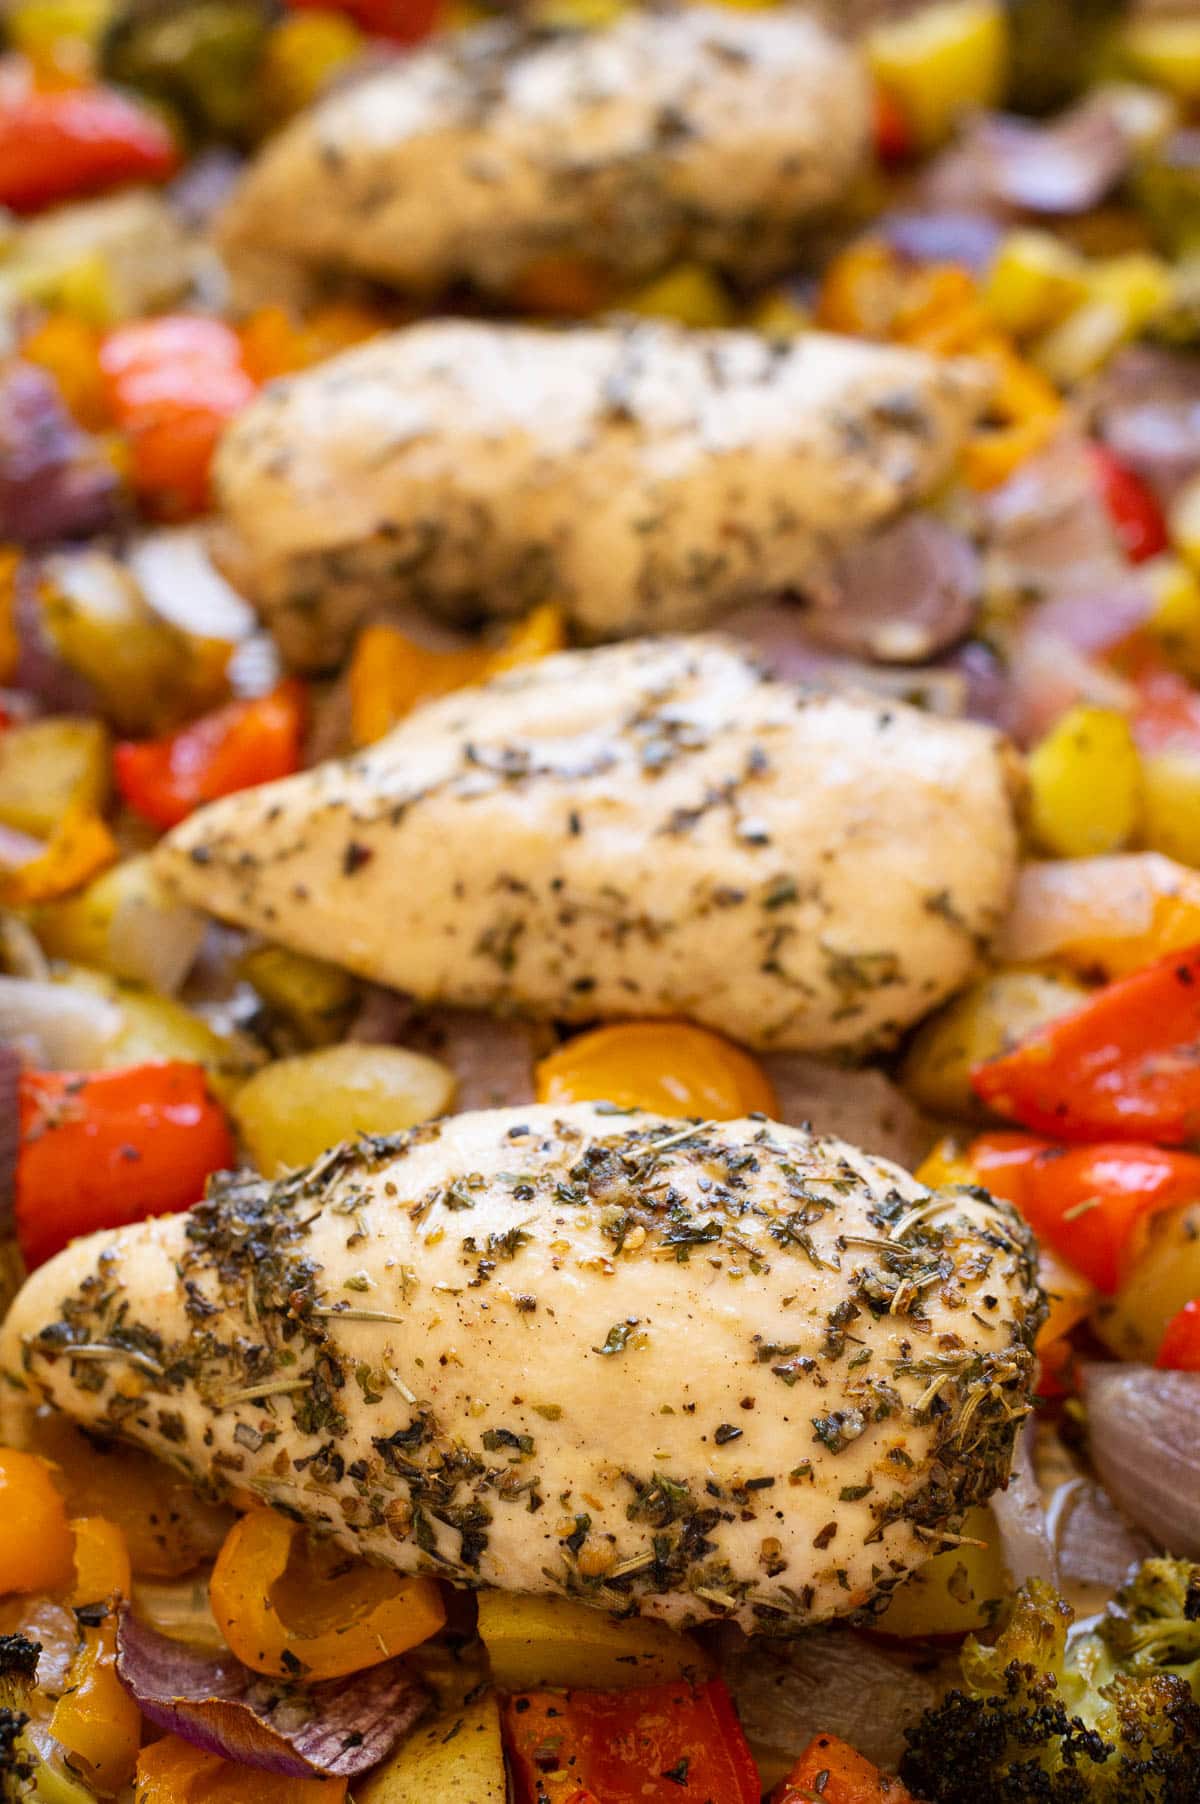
(643, 477)
(703, 133)
(647, 829)
(701, 1371)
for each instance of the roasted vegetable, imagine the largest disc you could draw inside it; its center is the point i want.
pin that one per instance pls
(49, 766)
(533, 1641)
(1054, 46)
(294, 1110)
(1114, 1719)
(198, 57)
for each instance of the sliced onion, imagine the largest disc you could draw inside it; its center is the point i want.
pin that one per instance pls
(777, 635)
(966, 238)
(901, 596)
(56, 1026)
(178, 578)
(864, 1107)
(831, 1682)
(1094, 1543)
(1144, 1439)
(1021, 1518)
(1064, 902)
(1147, 407)
(1067, 166)
(55, 480)
(1047, 530)
(1046, 677)
(152, 938)
(332, 1730)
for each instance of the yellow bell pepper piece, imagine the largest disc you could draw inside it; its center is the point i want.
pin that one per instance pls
(940, 62)
(301, 54)
(1166, 52)
(1085, 784)
(947, 1164)
(173, 1771)
(1033, 281)
(689, 294)
(666, 1065)
(80, 848)
(96, 1720)
(1171, 821)
(1139, 285)
(278, 1600)
(1174, 620)
(1082, 343)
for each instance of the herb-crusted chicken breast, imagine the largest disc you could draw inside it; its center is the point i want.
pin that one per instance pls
(700, 133)
(654, 828)
(644, 477)
(697, 1371)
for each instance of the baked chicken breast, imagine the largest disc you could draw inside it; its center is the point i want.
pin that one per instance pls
(696, 1371)
(643, 477)
(702, 133)
(654, 828)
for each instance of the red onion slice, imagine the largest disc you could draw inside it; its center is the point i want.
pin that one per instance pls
(1144, 1437)
(56, 1025)
(1065, 167)
(1094, 1543)
(901, 596)
(333, 1730)
(55, 480)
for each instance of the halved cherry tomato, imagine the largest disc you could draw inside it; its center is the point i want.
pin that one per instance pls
(836, 1774)
(281, 1600)
(104, 1148)
(670, 1066)
(1180, 1349)
(58, 144)
(656, 1744)
(1087, 1202)
(235, 747)
(1124, 1065)
(1137, 518)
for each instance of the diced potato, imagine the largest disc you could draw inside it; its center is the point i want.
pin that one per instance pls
(295, 1109)
(108, 259)
(1139, 285)
(1085, 784)
(124, 923)
(455, 1756)
(1034, 281)
(1166, 52)
(49, 766)
(146, 672)
(1185, 524)
(1081, 344)
(534, 1641)
(688, 294)
(1171, 804)
(1162, 1277)
(983, 1022)
(1175, 619)
(957, 1590)
(941, 62)
(158, 1027)
(314, 998)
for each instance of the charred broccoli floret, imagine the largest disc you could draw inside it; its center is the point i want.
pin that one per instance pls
(18, 1667)
(1112, 1718)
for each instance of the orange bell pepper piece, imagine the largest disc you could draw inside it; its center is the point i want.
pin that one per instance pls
(96, 1719)
(104, 1148)
(235, 747)
(669, 1066)
(391, 674)
(833, 1772)
(1121, 1066)
(69, 350)
(173, 1771)
(1087, 1202)
(863, 290)
(37, 1548)
(80, 847)
(280, 1600)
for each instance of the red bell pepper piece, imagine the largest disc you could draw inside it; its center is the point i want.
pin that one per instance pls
(1180, 1349)
(893, 134)
(657, 1744)
(56, 144)
(405, 21)
(1124, 1065)
(99, 1149)
(1087, 1202)
(235, 747)
(172, 385)
(1136, 516)
(836, 1774)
